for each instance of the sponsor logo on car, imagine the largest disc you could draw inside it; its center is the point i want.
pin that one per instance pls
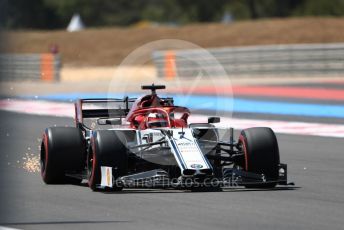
(185, 144)
(196, 166)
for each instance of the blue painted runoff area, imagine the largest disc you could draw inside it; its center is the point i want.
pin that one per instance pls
(227, 104)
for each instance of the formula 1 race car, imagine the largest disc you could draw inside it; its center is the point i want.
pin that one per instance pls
(147, 142)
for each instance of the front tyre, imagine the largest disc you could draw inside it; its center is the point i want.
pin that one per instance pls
(108, 148)
(261, 153)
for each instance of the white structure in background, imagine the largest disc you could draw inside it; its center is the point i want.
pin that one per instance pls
(75, 24)
(227, 18)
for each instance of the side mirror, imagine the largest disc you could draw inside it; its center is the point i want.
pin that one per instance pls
(213, 120)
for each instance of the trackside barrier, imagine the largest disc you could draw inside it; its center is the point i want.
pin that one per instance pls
(19, 67)
(170, 64)
(308, 59)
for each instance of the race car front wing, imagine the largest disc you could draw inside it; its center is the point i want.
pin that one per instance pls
(159, 178)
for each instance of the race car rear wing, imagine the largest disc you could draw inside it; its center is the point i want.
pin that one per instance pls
(104, 108)
(101, 108)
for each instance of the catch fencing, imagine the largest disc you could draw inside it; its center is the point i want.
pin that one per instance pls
(19, 67)
(280, 60)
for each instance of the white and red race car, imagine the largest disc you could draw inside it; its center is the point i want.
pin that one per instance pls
(147, 142)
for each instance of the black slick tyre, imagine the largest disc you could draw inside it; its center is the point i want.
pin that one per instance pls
(261, 153)
(108, 148)
(62, 150)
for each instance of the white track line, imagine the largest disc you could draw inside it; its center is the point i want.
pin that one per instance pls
(287, 127)
(60, 109)
(6, 228)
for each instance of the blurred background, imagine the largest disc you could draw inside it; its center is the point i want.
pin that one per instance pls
(55, 14)
(63, 50)
(112, 29)
(85, 40)
(275, 63)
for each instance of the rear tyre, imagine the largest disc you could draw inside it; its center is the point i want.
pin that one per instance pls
(62, 150)
(108, 148)
(261, 152)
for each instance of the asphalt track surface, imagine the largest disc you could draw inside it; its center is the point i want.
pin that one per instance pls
(316, 202)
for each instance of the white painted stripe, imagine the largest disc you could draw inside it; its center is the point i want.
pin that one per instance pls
(61, 109)
(287, 127)
(58, 109)
(6, 228)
